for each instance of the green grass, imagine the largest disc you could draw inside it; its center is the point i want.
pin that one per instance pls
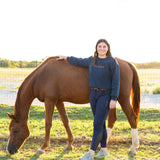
(81, 121)
(156, 90)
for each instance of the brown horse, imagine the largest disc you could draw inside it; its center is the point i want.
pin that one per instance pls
(55, 82)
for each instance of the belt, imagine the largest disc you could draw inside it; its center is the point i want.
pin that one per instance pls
(100, 89)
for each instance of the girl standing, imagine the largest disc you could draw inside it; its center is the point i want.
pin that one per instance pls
(104, 82)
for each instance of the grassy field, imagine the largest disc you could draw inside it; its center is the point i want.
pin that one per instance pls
(81, 126)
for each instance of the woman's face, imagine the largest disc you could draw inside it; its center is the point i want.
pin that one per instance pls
(102, 49)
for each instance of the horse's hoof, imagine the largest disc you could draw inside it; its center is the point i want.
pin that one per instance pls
(68, 148)
(132, 150)
(136, 145)
(40, 151)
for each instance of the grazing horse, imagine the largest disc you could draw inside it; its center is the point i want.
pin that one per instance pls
(55, 82)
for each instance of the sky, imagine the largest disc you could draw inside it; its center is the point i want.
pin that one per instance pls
(37, 29)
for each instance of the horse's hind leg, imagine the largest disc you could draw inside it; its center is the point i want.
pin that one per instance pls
(132, 118)
(49, 106)
(64, 118)
(112, 117)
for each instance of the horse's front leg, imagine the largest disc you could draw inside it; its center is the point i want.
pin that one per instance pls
(64, 118)
(49, 106)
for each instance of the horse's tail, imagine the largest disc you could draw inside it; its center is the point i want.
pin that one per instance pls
(136, 92)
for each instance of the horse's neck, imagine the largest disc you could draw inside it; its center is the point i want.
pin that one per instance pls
(23, 102)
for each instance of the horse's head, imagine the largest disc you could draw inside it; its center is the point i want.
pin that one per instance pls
(18, 133)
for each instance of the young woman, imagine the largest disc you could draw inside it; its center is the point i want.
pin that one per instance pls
(104, 82)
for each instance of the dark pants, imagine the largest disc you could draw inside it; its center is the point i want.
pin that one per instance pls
(99, 101)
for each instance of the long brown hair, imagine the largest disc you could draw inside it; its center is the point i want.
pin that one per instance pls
(108, 54)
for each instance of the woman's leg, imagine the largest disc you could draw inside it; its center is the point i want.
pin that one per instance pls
(101, 112)
(104, 137)
(93, 101)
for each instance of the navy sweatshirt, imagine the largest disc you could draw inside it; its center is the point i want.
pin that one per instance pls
(103, 74)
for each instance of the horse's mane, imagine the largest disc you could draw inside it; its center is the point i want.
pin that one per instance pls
(40, 66)
(28, 78)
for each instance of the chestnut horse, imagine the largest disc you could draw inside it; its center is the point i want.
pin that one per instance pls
(55, 82)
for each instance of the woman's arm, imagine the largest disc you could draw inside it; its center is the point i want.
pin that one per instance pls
(115, 84)
(115, 80)
(82, 62)
(62, 58)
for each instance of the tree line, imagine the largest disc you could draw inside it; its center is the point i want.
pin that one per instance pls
(153, 65)
(25, 64)
(18, 64)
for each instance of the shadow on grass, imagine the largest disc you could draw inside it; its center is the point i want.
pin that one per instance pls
(80, 113)
(104, 158)
(62, 154)
(114, 144)
(5, 157)
(131, 156)
(35, 156)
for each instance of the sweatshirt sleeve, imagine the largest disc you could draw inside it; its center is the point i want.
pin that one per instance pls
(115, 80)
(81, 62)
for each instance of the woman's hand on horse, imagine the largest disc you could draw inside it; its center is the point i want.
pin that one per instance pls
(112, 104)
(61, 58)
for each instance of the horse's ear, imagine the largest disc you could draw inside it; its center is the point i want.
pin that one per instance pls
(11, 116)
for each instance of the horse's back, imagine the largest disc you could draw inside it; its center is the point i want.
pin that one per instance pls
(61, 80)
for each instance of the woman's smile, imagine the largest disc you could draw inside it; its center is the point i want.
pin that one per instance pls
(102, 49)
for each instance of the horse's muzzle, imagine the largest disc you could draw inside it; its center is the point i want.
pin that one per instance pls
(12, 149)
